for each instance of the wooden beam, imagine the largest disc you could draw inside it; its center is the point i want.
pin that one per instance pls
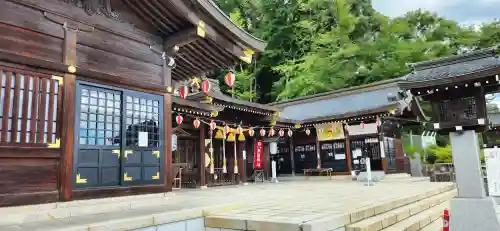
(68, 121)
(244, 54)
(182, 38)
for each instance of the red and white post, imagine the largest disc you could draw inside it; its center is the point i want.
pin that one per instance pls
(446, 220)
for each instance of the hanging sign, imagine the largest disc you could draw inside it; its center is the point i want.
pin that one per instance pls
(273, 148)
(174, 142)
(492, 157)
(363, 129)
(257, 154)
(332, 131)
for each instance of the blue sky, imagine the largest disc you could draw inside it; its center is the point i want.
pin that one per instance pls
(463, 11)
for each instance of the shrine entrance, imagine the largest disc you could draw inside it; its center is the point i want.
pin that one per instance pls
(119, 138)
(366, 147)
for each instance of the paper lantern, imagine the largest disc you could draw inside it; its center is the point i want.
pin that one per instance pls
(206, 86)
(179, 119)
(379, 122)
(226, 129)
(362, 125)
(281, 132)
(251, 132)
(290, 132)
(271, 132)
(213, 125)
(308, 132)
(297, 126)
(230, 78)
(183, 91)
(262, 132)
(239, 130)
(241, 137)
(196, 123)
(230, 137)
(346, 126)
(218, 135)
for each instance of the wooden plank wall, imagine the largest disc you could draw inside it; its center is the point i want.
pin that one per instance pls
(29, 171)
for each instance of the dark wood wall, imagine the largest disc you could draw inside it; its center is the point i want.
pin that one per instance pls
(34, 29)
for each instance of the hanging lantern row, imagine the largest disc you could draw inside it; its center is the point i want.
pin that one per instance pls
(205, 87)
(482, 83)
(194, 112)
(243, 109)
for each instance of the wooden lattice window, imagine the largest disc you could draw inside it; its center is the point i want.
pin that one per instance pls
(29, 108)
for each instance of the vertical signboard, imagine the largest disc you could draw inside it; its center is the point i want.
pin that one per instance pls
(257, 154)
(492, 157)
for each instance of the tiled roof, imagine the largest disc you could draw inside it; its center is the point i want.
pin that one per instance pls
(341, 105)
(454, 66)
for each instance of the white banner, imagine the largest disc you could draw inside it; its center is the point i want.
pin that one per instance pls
(370, 128)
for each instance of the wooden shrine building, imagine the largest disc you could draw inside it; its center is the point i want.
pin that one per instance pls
(87, 90)
(342, 126)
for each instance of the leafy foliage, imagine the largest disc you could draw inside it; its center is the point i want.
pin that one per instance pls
(316, 45)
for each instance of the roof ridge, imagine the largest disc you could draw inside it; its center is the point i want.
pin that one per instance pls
(341, 92)
(454, 59)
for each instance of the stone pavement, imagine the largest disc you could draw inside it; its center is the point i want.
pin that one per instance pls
(292, 205)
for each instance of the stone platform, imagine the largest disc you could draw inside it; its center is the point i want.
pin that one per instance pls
(318, 205)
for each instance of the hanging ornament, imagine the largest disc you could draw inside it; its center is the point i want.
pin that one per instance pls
(308, 131)
(184, 90)
(241, 137)
(271, 132)
(218, 135)
(297, 126)
(290, 132)
(378, 122)
(239, 130)
(213, 125)
(251, 132)
(230, 137)
(230, 78)
(179, 119)
(262, 132)
(227, 129)
(281, 133)
(206, 86)
(196, 123)
(362, 125)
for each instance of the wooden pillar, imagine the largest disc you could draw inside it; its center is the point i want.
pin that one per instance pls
(348, 151)
(292, 155)
(68, 112)
(167, 123)
(202, 167)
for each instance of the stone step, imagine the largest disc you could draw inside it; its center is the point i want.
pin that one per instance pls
(396, 215)
(436, 225)
(60, 210)
(126, 220)
(420, 220)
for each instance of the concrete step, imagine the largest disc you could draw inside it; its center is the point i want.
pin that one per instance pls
(421, 220)
(399, 214)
